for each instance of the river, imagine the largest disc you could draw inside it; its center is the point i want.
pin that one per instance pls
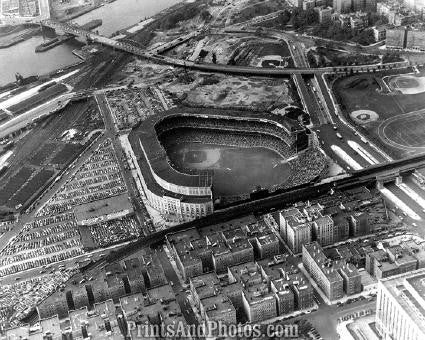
(115, 16)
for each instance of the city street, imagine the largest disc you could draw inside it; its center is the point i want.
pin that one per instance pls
(140, 210)
(326, 318)
(179, 291)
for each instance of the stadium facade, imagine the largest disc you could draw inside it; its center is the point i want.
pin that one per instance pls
(188, 194)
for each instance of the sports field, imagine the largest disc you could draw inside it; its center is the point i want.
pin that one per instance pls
(394, 105)
(405, 132)
(236, 170)
(407, 84)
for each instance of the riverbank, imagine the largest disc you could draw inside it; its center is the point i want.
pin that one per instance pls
(23, 59)
(17, 36)
(82, 11)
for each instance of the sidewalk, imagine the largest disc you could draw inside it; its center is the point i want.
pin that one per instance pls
(343, 332)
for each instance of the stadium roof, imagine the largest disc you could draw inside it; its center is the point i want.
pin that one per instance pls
(146, 134)
(150, 180)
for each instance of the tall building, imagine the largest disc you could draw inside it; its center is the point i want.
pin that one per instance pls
(308, 4)
(351, 279)
(301, 226)
(295, 229)
(218, 308)
(323, 230)
(189, 264)
(357, 5)
(342, 6)
(400, 312)
(359, 224)
(259, 303)
(333, 277)
(396, 38)
(298, 235)
(415, 40)
(369, 6)
(322, 271)
(325, 13)
(379, 33)
(284, 296)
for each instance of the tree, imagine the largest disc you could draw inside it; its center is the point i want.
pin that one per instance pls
(206, 15)
(364, 37)
(284, 18)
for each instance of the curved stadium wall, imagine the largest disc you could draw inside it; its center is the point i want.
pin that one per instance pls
(190, 195)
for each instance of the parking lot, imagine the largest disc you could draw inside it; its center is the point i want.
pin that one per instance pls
(130, 106)
(98, 178)
(18, 299)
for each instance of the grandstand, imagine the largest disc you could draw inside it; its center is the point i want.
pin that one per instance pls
(189, 194)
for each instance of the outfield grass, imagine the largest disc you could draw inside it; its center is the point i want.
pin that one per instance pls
(237, 170)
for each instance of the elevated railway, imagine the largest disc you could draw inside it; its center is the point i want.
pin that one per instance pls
(278, 199)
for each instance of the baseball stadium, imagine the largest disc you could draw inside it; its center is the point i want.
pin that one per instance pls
(189, 158)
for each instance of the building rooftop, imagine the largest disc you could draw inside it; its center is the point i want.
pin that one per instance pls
(247, 273)
(349, 269)
(258, 293)
(267, 239)
(93, 212)
(132, 304)
(215, 306)
(186, 254)
(164, 292)
(409, 291)
(258, 228)
(114, 281)
(298, 222)
(325, 265)
(239, 244)
(106, 308)
(282, 286)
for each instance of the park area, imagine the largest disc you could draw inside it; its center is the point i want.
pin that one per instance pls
(388, 107)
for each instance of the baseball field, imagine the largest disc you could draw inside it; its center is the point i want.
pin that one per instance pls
(237, 171)
(390, 109)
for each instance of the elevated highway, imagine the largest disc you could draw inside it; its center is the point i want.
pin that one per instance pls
(207, 67)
